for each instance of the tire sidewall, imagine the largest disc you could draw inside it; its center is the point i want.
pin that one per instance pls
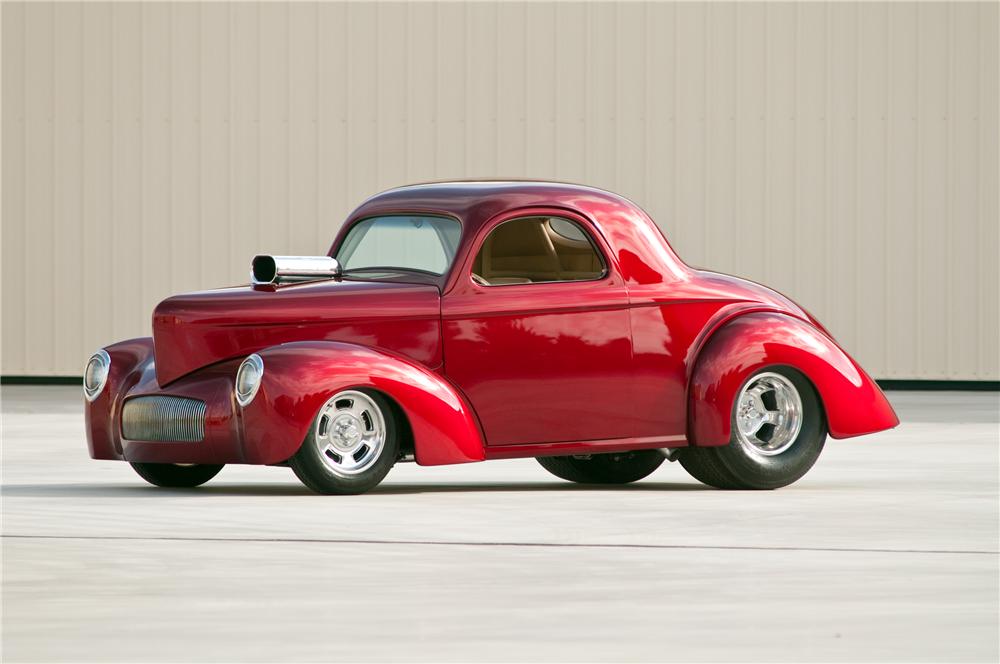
(771, 472)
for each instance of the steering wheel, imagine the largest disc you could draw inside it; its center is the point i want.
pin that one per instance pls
(479, 280)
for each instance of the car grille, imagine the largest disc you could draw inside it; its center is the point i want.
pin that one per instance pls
(164, 418)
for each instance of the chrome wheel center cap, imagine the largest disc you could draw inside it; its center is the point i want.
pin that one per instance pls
(346, 432)
(750, 416)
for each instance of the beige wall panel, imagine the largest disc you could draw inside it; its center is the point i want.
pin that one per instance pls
(67, 177)
(933, 159)
(332, 113)
(39, 172)
(901, 268)
(987, 324)
(963, 186)
(131, 132)
(750, 155)
(871, 241)
(244, 147)
(842, 282)
(156, 127)
(186, 169)
(809, 193)
(97, 198)
(214, 126)
(303, 181)
(843, 153)
(14, 211)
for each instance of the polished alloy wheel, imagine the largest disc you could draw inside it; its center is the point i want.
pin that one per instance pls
(768, 414)
(350, 433)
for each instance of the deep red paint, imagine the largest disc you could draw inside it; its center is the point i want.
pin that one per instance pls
(197, 329)
(651, 355)
(854, 405)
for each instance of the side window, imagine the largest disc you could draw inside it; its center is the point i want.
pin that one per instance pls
(537, 250)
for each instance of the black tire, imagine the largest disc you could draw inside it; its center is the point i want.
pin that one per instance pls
(317, 473)
(614, 468)
(735, 466)
(174, 476)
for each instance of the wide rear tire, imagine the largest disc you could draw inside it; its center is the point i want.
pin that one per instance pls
(614, 468)
(778, 432)
(176, 476)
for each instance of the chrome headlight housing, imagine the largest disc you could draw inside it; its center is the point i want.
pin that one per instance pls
(248, 378)
(95, 375)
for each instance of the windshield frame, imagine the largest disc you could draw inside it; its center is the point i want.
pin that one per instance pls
(397, 273)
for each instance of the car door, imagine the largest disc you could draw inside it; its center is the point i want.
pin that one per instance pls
(538, 339)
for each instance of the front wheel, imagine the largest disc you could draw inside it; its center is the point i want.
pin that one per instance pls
(352, 445)
(614, 468)
(778, 432)
(176, 475)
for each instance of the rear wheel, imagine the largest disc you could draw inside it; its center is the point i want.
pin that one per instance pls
(614, 468)
(352, 445)
(176, 475)
(778, 432)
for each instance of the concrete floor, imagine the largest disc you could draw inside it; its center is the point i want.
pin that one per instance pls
(886, 551)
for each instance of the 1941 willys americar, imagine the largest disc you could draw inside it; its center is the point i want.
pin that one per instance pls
(467, 321)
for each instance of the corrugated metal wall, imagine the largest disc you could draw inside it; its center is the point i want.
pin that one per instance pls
(845, 154)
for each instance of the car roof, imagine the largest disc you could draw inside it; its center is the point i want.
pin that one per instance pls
(626, 227)
(475, 201)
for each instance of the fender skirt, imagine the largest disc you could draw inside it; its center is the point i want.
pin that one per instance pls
(299, 377)
(853, 403)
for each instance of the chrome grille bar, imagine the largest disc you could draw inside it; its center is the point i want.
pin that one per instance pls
(163, 418)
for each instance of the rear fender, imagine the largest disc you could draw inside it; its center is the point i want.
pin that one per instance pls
(299, 377)
(854, 405)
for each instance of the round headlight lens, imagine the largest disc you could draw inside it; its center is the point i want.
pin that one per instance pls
(95, 376)
(248, 378)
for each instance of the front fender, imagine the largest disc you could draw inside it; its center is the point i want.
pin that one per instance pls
(299, 377)
(853, 403)
(130, 360)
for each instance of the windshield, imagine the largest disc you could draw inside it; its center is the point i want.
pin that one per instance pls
(401, 242)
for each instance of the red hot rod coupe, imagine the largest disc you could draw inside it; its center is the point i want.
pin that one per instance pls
(468, 321)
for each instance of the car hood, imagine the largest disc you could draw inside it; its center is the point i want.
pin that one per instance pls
(194, 330)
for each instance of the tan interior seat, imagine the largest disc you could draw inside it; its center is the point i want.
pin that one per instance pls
(529, 250)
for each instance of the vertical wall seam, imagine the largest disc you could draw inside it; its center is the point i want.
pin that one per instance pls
(171, 138)
(646, 110)
(673, 122)
(230, 195)
(706, 162)
(887, 191)
(257, 131)
(80, 198)
(289, 238)
(858, 53)
(736, 166)
(767, 145)
(918, 178)
(111, 161)
(318, 117)
(53, 177)
(949, 191)
(24, 180)
(980, 213)
(827, 157)
(796, 28)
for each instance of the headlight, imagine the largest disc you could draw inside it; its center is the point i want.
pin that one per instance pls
(248, 379)
(95, 376)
